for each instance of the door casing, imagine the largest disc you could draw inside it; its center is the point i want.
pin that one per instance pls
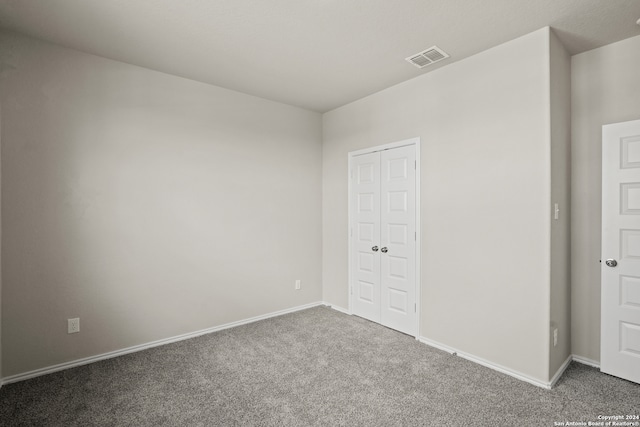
(415, 142)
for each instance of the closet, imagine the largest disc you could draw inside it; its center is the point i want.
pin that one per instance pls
(383, 236)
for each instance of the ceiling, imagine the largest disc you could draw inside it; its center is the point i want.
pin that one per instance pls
(316, 54)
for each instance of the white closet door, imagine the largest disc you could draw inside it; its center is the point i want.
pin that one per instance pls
(365, 228)
(383, 236)
(398, 239)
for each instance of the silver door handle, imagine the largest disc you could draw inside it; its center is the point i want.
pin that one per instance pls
(384, 250)
(374, 249)
(611, 262)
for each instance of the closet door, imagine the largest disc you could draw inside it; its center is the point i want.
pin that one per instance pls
(365, 229)
(383, 237)
(398, 239)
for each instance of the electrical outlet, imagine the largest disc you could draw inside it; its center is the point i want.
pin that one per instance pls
(73, 325)
(298, 284)
(555, 337)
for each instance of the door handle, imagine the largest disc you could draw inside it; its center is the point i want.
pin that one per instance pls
(374, 249)
(384, 250)
(611, 262)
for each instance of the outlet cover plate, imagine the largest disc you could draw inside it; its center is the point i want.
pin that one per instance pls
(73, 325)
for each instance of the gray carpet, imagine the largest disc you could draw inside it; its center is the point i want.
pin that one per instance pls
(313, 367)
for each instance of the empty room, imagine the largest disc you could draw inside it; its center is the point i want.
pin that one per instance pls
(320, 212)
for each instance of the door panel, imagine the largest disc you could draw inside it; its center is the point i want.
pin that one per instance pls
(620, 314)
(365, 187)
(398, 226)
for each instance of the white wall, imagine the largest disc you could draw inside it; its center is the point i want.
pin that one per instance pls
(560, 303)
(605, 89)
(146, 204)
(485, 188)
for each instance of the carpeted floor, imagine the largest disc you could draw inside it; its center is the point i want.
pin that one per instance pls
(313, 367)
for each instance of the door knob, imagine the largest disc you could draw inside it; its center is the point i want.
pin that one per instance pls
(374, 249)
(609, 262)
(384, 250)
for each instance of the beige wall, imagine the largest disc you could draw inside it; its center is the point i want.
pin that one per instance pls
(485, 189)
(605, 89)
(560, 303)
(146, 204)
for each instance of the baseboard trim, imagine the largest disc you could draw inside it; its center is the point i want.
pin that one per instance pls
(560, 371)
(480, 361)
(429, 342)
(140, 347)
(337, 308)
(586, 361)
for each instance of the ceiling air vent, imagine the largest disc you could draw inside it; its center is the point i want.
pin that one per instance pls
(427, 57)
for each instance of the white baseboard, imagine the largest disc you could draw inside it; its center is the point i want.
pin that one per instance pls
(586, 361)
(515, 374)
(122, 352)
(560, 371)
(116, 353)
(337, 308)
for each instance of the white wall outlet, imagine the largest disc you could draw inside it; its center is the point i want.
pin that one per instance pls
(298, 284)
(73, 325)
(555, 337)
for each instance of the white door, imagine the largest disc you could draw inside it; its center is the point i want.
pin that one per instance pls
(620, 314)
(383, 226)
(398, 238)
(365, 230)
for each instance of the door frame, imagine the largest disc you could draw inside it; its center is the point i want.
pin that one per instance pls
(406, 142)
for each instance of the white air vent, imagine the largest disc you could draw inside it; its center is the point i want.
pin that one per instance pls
(427, 57)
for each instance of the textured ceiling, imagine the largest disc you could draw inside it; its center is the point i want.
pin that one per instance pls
(317, 54)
